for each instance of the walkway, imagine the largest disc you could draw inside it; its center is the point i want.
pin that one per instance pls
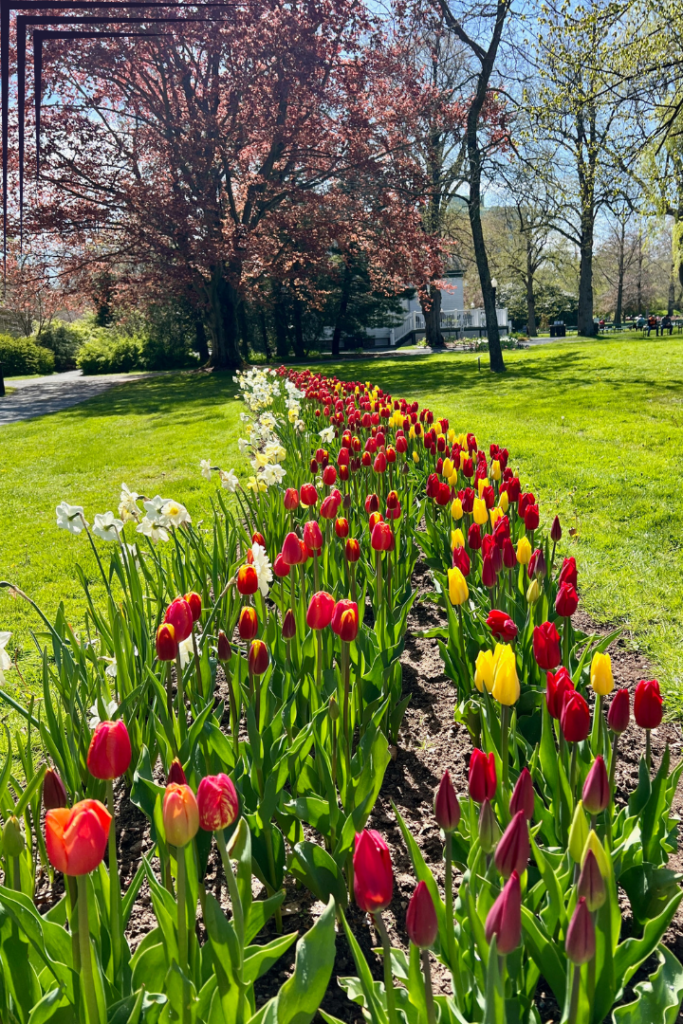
(38, 396)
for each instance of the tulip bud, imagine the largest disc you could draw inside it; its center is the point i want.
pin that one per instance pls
(341, 528)
(512, 852)
(258, 657)
(247, 625)
(602, 679)
(567, 600)
(593, 844)
(523, 551)
(289, 625)
(224, 648)
(195, 603)
(421, 923)
(320, 610)
(619, 712)
(458, 591)
(575, 717)
(373, 879)
(54, 791)
(537, 566)
(482, 780)
(166, 645)
(291, 499)
(483, 672)
(180, 814)
(110, 752)
(578, 833)
(13, 843)
(176, 773)
(504, 919)
(546, 644)
(596, 791)
(217, 802)
(345, 621)
(446, 806)
(352, 550)
(647, 704)
(291, 549)
(333, 709)
(523, 795)
(489, 832)
(506, 688)
(580, 942)
(556, 530)
(591, 884)
(313, 537)
(533, 592)
(280, 567)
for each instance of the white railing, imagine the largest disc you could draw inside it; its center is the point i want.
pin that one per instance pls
(453, 320)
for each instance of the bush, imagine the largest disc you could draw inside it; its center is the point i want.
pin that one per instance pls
(65, 341)
(20, 356)
(107, 355)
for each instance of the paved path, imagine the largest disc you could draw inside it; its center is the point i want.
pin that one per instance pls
(39, 396)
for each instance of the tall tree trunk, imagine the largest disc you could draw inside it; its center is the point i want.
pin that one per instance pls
(341, 311)
(299, 346)
(672, 293)
(245, 330)
(281, 326)
(431, 311)
(264, 334)
(474, 207)
(201, 343)
(585, 324)
(639, 280)
(621, 271)
(531, 328)
(222, 317)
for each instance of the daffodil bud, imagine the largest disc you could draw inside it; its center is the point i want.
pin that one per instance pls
(578, 834)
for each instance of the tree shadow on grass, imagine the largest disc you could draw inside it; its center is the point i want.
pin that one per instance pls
(182, 396)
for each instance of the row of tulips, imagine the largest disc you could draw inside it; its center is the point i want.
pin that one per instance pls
(270, 697)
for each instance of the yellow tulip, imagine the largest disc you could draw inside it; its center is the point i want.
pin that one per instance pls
(481, 484)
(457, 586)
(411, 432)
(447, 468)
(457, 539)
(451, 435)
(602, 679)
(534, 592)
(495, 514)
(456, 509)
(495, 470)
(483, 671)
(480, 511)
(416, 458)
(504, 502)
(523, 551)
(437, 428)
(453, 480)
(506, 687)
(578, 833)
(594, 844)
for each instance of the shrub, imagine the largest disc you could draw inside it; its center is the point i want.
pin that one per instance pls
(104, 355)
(65, 341)
(20, 356)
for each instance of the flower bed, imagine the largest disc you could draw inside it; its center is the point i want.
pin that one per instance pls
(245, 676)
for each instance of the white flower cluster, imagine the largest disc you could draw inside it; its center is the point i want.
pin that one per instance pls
(160, 514)
(259, 387)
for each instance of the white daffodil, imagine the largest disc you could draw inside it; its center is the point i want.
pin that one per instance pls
(327, 434)
(293, 413)
(273, 475)
(70, 517)
(127, 494)
(153, 529)
(229, 480)
(106, 526)
(5, 660)
(205, 467)
(244, 418)
(264, 573)
(243, 445)
(154, 506)
(110, 670)
(175, 514)
(300, 426)
(186, 651)
(94, 714)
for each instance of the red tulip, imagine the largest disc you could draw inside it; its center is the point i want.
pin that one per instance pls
(258, 657)
(54, 791)
(546, 642)
(523, 795)
(556, 531)
(309, 495)
(619, 712)
(373, 879)
(352, 550)
(504, 919)
(461, 561)
(509, 554)
(421, 923)
(195, 603)
(341, 528)
(76, 839)
(392, 500)
(512, 852)
(501, 625)
(575, 718)
(180, 814)
(329, 507)
(647, 705)
(258, 538)
(291, 499)
(224, 649)
(488, 572)
(329, 476)
(288, 625)
(176, 773)
(344, 620)
(179, 615)
(446, 806)
(596, 792)
(567, 600)
(568, 573)
(280, 567)
(166, 645)
(580, 942)
(531, 518)
(371, 504)
(482, 780)
(217, 802)
(557, 686)
(474, 537)
(382, 538)
(247, 580)
(320, 610)
(313, 538)
(109, 753)
(247, 625)
(537, 566)
(291, 550)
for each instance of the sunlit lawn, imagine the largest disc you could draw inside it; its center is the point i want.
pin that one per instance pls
(595, 428)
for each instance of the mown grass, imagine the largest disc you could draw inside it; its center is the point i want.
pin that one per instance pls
(595, 428)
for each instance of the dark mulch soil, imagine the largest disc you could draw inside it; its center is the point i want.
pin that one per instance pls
(430, 742)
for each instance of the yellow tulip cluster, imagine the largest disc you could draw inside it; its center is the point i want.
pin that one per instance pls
(497, 671)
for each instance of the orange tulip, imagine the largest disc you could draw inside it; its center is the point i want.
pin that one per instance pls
(76, 839)
(180, 814)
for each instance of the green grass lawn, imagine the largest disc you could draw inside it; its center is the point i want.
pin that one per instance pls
(595, 428)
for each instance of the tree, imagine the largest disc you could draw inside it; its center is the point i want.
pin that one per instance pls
(33, 292)
(214, 154)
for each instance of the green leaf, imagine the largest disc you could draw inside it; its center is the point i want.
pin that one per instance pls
(543, 951)
(314, 866)
(374, 1007)
(494, 1012)
(658, 1000)
(259, 959)
(632, 952)
(301, 995)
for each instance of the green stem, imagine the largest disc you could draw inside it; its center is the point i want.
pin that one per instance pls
(346, 665)
(234, 713)
(574, 1002)
(86, 952)
(572, 770)
(115, 922)
(182, 927)
(319, 659)
(388, 977)
(567, 627)
(182, 717)
(197, 666)
(504, 728)
(72, 889)
(237, 911)
(648, 750)
(453, 961)
(613, 765)
(429, 993)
